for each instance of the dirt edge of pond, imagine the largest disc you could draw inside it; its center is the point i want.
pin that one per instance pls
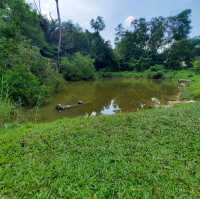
(182, 84)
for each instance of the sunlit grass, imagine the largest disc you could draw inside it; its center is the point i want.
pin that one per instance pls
(6, 108)
(195, 89)
(149, 154)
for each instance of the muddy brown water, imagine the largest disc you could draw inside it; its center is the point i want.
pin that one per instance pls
(105, 97)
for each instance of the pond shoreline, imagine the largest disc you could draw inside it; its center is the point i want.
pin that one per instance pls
(183, 96)
(105, 97)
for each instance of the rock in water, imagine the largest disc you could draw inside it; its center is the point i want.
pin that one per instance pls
(155, 102)
(59, 107)
(80, 102)
(93, 114)
(184, 82)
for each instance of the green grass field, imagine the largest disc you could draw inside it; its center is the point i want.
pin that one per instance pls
(149, 154)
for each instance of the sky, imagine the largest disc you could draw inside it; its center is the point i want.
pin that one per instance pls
(120, 11)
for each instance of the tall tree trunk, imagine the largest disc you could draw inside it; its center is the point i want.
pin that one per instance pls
(60, 36)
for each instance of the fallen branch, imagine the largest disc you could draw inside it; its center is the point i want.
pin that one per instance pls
(60, 107)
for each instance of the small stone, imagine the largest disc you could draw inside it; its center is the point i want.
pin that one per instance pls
(80, 102)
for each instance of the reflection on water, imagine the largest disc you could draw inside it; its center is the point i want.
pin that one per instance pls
(105, 97)
(111, 109)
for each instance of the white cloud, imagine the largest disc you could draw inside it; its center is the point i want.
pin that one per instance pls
(128, 21)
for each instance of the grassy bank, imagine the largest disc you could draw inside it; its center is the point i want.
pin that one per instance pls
(193, 90)
(9, 112)
(148, 154)
(168, 74)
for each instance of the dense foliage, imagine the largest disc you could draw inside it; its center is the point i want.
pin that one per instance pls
(30, 76)
(78, 67)
(196, 64)
(156, 72)
(74, 40)
(159, 41)
(28, 49)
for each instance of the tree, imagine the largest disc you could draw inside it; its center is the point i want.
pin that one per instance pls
(182, 53)
(98, 25)
(179, 26)
(159, 41)
(157, 34)
(60, 36)
(19, 21)
(132, 48)
(74, 39)
(119, 32)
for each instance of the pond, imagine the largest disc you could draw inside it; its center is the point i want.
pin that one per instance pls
(105, 97)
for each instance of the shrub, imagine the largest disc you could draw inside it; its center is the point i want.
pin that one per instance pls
(78, 67)
(54, 81)
(196, 64)
(31, 77)
(156, 72)
(139, 64)
(194, 89)
(48, 76)
(157, 68)
(24, 87)
(104, 74)
(133, 64)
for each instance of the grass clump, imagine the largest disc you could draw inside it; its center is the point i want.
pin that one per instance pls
(119, 74)
(6, 110)
(6, 107)
(194, 89)
(149, 154)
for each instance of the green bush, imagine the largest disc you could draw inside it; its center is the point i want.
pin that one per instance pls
(30, 76)
(196, 64)
(54, 81)
(78, 67)
(157, 68)
(47, 75)
(104, 73)
(139, 64)
(24, 87)
(133, 64)
(194, 89)
(156, 72)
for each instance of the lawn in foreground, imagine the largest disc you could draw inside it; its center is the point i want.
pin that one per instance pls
(149, 154)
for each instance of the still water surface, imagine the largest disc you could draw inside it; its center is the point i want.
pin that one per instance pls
(107, 97)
